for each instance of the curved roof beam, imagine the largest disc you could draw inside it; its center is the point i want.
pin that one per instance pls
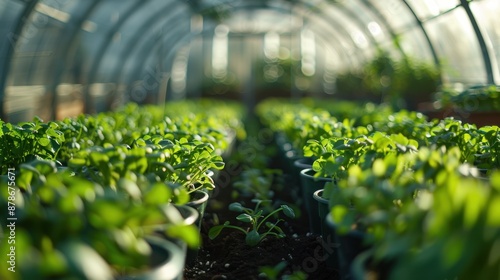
(75, 24)
(304, 10)
(384, 22)
(118, 76)
(88, 106)
(307, 10)
(16, 35)
(321, 33)
(148, 45)
(186, 39)
(481, 41)
(426, 35)
(140, 60)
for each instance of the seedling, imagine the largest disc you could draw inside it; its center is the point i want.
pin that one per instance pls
(257, 220)
(273, 272)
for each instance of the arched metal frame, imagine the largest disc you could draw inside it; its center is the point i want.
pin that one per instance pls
(74, 27)
(480, 40)
(146, 39)
(200, 6)
(4, 71)
(210, 33)
(426, 35)
(136, 74)
(88, 108)
(126, 55)
(322, 17)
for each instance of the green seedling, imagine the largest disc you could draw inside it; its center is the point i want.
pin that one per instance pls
(273, 272)
(260, 227)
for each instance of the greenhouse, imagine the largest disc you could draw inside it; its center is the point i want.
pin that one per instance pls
(250, 139)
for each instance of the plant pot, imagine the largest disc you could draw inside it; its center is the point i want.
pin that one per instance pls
(166, 261)
(190, 217)
(298, 165)
(309, 185)
(286, 153)
(359, 266)
(363, 267)
(350, 246)
(198, 201)
(323, 211)
(303, 163)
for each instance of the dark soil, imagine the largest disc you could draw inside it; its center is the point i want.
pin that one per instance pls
(228, 256)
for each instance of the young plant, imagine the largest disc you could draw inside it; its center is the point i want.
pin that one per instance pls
(28, 141)
(273, 272)
(259, 226)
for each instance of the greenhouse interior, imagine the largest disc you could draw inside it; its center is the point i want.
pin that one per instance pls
(250, 139)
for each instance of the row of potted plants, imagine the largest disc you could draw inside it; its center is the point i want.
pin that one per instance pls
(416, 157)
(97, 197)
(419, 210)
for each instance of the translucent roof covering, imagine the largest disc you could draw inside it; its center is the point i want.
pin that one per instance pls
(62, 57)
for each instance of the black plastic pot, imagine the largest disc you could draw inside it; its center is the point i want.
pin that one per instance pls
(358, 267)
(190, 217)
(323, 211)
(303, 163)
(299, 165)
(309, 185)
(363, 265)
(166, 261)
(198, 201)
(287, 155)
(350, 246)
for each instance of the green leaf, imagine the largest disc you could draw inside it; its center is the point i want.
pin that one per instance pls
(252, 238)
(379, 167)
(130, 188)
(158, 194)
(236, 206)
(84, 262)
(288, 211)
(77, 162)
(216, 230)
(53, 133)
(245, 218)
(493, 219)
(45, 142)
(188, 233)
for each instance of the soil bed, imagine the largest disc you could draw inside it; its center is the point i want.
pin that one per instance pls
(228, 256)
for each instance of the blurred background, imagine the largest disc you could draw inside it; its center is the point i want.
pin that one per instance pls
(60, 58)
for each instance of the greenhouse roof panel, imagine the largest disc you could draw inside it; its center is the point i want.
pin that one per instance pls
(50, 42)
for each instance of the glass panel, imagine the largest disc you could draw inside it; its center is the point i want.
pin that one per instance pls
(40, 45)
(338, 39)
(377, 29)
(486, 14)
(456, 44)
(395, 12)
(160, 33)
(358, 36)
(104, 19)
(431, 8)
(414, 44)
(10, 11)
(132, 33)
